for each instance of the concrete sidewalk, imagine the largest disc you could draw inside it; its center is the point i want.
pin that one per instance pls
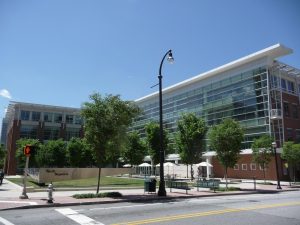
(10, 192)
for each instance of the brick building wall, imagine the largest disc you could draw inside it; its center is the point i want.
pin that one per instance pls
(247, 169)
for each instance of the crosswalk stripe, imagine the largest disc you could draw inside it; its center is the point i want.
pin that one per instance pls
(5, 222)
(79, 218)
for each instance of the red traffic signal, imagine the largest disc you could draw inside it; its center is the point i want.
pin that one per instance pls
(28, 150)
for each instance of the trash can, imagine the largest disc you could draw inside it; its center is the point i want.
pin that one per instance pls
(150, 185)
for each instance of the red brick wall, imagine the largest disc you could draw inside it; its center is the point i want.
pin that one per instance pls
(13, 136)
(218, 169)
(291, 122)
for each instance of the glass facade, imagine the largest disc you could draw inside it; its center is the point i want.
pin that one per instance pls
(72, 132)
(242, 96)
(28, 131)
(51, 133)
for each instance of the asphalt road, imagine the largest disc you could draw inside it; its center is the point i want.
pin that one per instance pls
(261, 209)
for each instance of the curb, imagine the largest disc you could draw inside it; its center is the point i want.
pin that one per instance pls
(148, 199)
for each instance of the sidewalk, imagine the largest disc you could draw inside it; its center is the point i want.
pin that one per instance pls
(10, 192)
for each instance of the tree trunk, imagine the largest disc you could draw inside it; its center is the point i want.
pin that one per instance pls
(264, 169)
(226, 178)
(294, 173)
(192, 172)
(187, 170)
(99, 176)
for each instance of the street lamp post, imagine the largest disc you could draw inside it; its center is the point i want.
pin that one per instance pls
(276, 164)
(162, 189)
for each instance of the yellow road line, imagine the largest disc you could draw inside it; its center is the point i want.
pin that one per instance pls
(207, 213)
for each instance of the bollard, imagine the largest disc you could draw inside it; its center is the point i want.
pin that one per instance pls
(254, 182)
(50, 193)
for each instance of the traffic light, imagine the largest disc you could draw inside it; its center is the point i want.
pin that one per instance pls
(28, 149)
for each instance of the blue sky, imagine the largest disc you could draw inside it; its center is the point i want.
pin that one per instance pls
(58, 52)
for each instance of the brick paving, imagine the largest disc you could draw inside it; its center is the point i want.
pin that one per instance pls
(9, 195)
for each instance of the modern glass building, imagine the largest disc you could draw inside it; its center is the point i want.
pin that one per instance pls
(36, 121)
(257, 90)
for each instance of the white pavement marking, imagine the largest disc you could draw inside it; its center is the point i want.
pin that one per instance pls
(19, 202)
(125, 206)
(79, 218)
(5, 222)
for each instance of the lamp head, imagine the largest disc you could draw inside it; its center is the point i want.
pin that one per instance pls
(170, 57)
(274, 145)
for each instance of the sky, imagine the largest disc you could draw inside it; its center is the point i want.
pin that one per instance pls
(58, 52)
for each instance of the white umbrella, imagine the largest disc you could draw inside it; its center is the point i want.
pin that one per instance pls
(169, 164)
(127, 165)
(145, 165)
(204, 164)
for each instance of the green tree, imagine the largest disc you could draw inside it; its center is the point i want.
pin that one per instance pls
(190, 138)
(135, 150)
(2, 156)
(79, 153)
(226, 139)
(262, 152)
(52, 154)
(106, 122)
(153, 141)
(291, 153)
(21, 158)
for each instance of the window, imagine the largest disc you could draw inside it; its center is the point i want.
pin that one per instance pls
(36, 116)
(286, 109)
(298, 135)
(289, 134)
(261, 167)
(236, 167)
(69, 119)
(78, 119)
(48, 117)
(295, 111)
(51, 133)
(57, 118)
(25, 115)
(253, 166)
(283, 84)
(72, 132)
(244, 166)
(27, 131)
(291, 87)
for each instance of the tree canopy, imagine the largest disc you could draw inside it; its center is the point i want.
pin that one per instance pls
(106, 122)
(79, 153)
(153, 141)
(262, 151)
(226, 139)
(291, 153)
(135, 150)
(190, 138)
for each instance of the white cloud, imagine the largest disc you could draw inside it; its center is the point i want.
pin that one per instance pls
(5, 93)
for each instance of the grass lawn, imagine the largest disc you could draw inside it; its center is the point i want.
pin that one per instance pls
(88, 182)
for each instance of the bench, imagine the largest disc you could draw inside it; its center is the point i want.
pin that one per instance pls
(178, 185)
(213, 183)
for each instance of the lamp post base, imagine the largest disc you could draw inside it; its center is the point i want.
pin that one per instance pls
(161, 190)
(279, 187)
(23, 196)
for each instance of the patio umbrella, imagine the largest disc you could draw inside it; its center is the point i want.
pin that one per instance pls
(127, 165)
(145, 165)
(204, 164)
(146, 170)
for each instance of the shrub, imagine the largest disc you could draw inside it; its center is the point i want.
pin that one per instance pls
(99, 195)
